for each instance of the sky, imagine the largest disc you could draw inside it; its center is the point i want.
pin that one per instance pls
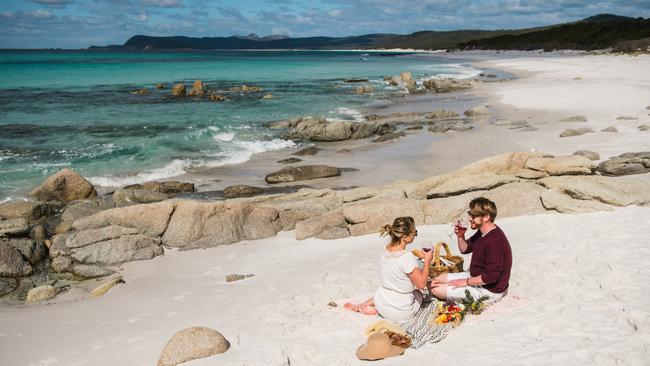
(82, 23)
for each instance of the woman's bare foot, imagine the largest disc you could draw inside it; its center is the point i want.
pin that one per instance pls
(367, 309)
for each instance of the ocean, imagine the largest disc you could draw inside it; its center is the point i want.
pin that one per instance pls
(76, 108)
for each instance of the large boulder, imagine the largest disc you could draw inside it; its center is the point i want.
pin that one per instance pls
(171, 187)
(126, 248)
(150, 219)
(611, 191)
(302, 205)
(318, 129)
(207, 224)
(65, 186)
(13, 227)
(133, 196)
(191, 344)
(242, 190)
(86, 237)
(198, 90)
(625, 164)
(61, 264)
(304, 172)
(178, 90)
(331, 225)
(28, 210)
(33, 251)
(562, 165)
(81, 209)
(462, 184)
(560, 202)
(368, 216)
(12, 263)
(508, 163)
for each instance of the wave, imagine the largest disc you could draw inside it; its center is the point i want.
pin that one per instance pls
(240, 152)
(456, 71)
(349, 114)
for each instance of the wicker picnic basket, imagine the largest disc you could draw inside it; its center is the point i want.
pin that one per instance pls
(438, 267)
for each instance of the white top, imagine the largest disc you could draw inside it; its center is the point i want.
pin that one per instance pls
(394, 300)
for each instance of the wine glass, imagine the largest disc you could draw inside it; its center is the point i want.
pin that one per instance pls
(426, 245)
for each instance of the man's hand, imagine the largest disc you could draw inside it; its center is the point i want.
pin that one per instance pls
(428, 257)
(462, 282)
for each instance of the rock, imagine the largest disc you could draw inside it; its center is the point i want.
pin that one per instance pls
(59, 247)
(84, 208)
(464, 184)
(197, 90)
(143, 91)
(12, 263)
(445, 126)
(237, 277)
(268, 96)
(591, 155)
(321, 130)
(416, 127)
(304, 172)
(128, 196)
(406, 76)
(38, 233)
(441, 114)
(7, 285)
(191, 344)
(28, 210)
(246, 89)
(90, 236)
(626, 118)
(477, 111)
(178, 90)
(609, 129)
(508, 163)
(13, 227)
(363, 193)
(608, 190)
(363, 89)
(171, 187)
(242, 190)
(308, 151)
(126, 248)
(628, 163)
(161, 86)
(553, 200)
(531, 174)
(575, 132)
(32, 251)
(356, 80)
(389, 136)
(216, 98)
(368, 216)
(65, 186)
(61, 264)
(289, 161)
(446, 85)
(394, 80)
(575, 119)
(103, 288)
(562, 165)
(150, 220)
(87, 271)
(513, 125)
(41, 293)
(198, 224)
(314, 226)
(644, 127)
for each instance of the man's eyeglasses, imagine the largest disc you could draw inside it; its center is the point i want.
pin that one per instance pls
(472, 215)
(415, 233)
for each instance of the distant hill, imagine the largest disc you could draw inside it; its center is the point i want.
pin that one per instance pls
(596, 32)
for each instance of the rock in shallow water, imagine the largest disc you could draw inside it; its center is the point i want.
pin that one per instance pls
(191, 344)
(305, 172)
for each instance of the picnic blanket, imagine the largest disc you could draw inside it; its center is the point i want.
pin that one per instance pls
(422, 329)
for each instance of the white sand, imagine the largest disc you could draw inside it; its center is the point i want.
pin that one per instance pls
(583, 279)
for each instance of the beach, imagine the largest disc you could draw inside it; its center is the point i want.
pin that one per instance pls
(577, 293)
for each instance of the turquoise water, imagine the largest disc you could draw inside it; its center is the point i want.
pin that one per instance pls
(75, 109)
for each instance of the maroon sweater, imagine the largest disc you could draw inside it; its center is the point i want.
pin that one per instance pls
(491, 259)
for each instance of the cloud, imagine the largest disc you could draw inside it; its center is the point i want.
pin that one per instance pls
(54, 3)
(141, 17)
(162, 3)
(42, 14)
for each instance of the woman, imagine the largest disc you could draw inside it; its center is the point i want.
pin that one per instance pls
(398, 298)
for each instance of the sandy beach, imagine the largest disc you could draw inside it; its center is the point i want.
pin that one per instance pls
(578, 291)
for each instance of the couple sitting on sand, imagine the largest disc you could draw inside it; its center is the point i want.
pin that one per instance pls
(399, 298)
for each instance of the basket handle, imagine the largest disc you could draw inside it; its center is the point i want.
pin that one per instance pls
(437, 252)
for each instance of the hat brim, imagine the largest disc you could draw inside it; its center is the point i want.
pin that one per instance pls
(363, 354)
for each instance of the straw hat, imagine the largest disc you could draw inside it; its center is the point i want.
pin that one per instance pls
(378, 347)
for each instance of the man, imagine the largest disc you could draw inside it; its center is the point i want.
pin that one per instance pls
(489, 270)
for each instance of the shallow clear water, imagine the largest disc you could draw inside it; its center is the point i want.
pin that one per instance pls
(75, 109)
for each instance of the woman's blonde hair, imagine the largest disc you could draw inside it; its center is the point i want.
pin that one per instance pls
(402, 226)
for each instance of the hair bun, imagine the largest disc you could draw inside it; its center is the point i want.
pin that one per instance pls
(386, 230)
